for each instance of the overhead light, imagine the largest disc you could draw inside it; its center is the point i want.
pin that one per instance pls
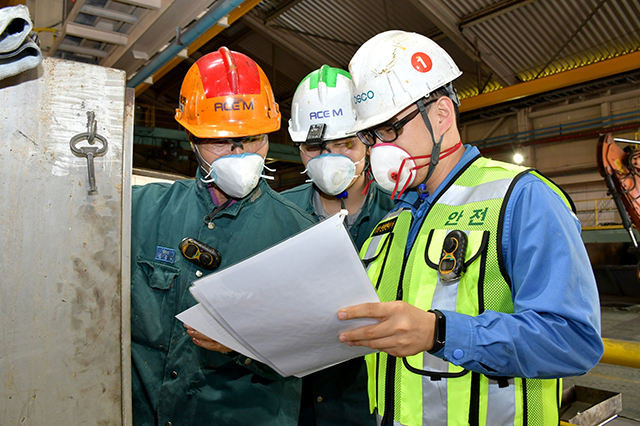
(518, 158)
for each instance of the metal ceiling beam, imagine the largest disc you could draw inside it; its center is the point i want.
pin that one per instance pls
(295, 45)
(109, 14)
(147, 4)
(234, 15)
(70, 18)
(201, 26)
(97, 53)
(438, 13)
(492, 11)
(144, 24)
(93, 33)
(609, 67)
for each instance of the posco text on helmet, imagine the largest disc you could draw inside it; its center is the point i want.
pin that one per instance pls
(226, 94)
(394, 69)
(322, 97)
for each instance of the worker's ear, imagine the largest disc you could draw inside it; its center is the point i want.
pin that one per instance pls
(190, 136)
(446, 113)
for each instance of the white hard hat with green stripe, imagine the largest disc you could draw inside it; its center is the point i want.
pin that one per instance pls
(322, 101)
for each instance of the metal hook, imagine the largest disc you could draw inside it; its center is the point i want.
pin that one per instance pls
(92, 127)
(90, 152)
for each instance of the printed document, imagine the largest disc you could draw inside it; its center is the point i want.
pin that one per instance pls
(280, 306)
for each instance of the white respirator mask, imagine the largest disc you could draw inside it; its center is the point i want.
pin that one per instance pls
(332, 173)
(237, 174)
(393, 168)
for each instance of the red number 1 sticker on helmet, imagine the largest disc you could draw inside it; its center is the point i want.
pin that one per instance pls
(421, 62)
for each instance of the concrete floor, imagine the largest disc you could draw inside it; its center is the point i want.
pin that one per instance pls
(620, 320)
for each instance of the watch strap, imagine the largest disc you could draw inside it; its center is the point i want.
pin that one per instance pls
(439, 332)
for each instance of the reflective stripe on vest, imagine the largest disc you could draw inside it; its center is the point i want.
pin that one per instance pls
(426, 390)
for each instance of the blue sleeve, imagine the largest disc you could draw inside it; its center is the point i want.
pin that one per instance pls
(555, 328)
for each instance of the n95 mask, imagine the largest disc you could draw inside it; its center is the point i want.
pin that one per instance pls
(332, 173)
(237, 174)
(393, 167)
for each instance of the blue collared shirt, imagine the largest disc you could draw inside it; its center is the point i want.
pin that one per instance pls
(555, 328)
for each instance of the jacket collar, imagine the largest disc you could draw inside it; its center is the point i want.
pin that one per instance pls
(203, 194)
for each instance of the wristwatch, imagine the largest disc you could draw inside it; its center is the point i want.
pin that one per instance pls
(439, 332)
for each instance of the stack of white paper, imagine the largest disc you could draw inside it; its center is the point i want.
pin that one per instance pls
(280, 306)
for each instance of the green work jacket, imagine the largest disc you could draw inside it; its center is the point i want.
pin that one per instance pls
(422, 389)
(337, 396)
(377, 204)
(174, 381)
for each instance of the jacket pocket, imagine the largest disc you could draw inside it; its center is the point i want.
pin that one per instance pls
(153, 302)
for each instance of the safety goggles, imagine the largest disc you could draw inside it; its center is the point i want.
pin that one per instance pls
(339, 146)
(225, 146)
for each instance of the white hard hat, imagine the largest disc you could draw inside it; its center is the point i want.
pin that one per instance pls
(394, 69)
(323, 99)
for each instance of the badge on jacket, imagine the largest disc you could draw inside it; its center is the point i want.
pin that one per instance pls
(164, 254)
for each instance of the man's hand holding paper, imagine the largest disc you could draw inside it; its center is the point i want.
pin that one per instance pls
(280, 305)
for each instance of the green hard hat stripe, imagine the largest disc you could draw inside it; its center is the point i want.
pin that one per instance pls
(326, 74)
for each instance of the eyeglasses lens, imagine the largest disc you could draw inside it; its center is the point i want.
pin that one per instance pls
(228, 145)
(333, 147)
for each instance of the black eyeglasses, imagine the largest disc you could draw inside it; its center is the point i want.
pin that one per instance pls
(388, 132)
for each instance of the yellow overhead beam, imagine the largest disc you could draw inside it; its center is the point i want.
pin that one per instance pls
(609, 67)
(200, 41)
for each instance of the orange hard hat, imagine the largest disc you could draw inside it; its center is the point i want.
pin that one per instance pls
(226, 94)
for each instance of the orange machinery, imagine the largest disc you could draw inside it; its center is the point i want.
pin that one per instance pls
(621, 171)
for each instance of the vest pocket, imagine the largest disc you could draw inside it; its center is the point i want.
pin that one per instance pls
(153, 303)
(477, 244)
(375, 247)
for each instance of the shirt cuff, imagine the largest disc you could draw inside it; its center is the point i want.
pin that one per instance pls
(459, 346)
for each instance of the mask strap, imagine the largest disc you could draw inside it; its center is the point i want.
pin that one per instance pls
(201, 160)
(208, 218)
(356, 163)
(270, 169)
(344, 194)
(370, 180)
(447, 152)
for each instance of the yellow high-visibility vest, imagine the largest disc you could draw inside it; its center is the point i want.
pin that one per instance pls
(423, 389)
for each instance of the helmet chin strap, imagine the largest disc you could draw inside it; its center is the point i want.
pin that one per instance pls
(435, 152)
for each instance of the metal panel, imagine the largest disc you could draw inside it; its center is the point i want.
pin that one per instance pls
(64, 291)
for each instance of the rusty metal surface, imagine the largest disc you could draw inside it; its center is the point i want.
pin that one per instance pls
(585, 406)
(62, 350)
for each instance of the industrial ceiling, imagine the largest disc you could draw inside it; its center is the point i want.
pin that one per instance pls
(502, 46)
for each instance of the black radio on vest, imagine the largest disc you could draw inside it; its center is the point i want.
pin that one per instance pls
(451, 266)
